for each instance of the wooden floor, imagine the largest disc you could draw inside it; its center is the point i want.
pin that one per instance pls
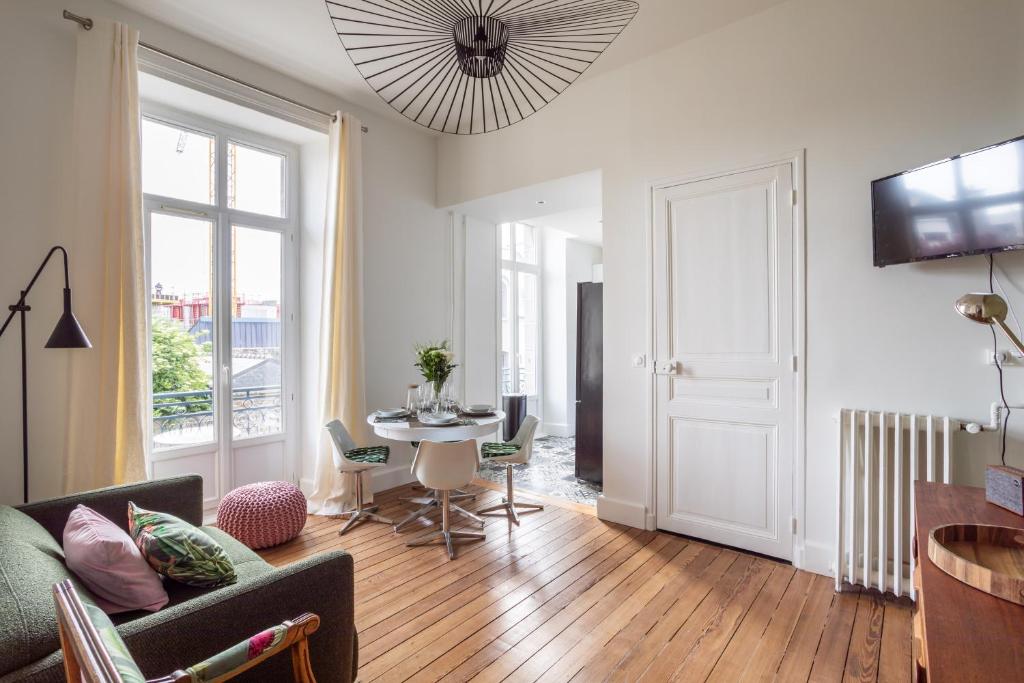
(569, 597)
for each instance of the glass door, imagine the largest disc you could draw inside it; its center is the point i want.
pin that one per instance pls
(256, 361)
(520, 313)
(182, 335)
(220, 269)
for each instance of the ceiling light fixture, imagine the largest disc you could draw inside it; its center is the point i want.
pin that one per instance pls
(467, 67)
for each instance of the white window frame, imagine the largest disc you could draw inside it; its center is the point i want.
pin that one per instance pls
(534, 401)
(223, 218)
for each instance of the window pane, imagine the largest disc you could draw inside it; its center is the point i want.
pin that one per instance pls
(527, 333)
(181, 253)
(256, 333)
(526, 243)
(178, 163)
(506, 241)
(507, 349)
(255, 180)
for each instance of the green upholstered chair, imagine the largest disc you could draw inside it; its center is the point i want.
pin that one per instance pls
(95, 653)
(514, 452)
(351, 459)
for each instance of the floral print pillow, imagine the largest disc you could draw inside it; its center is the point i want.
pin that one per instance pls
(178, 550)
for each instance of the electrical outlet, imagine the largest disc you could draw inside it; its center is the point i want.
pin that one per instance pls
(1002, 357)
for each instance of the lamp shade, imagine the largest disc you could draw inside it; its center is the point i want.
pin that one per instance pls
(988, 309)
(68, 334)
(984, 308)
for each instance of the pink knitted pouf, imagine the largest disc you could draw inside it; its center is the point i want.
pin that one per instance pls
(263, 514)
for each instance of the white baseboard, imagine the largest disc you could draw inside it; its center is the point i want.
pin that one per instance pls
(622, 512)
(384, 478)
(556, 429)
(817, 558)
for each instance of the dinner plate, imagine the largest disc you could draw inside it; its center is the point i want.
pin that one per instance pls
(392, 412)
(438, 418)
(480, 408)
(478, 413)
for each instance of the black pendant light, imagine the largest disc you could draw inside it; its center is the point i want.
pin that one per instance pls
(475, 66)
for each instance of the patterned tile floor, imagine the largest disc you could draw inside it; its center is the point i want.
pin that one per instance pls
(550, 471)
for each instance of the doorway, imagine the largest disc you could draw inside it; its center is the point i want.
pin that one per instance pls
(727, 330)
(533, 249)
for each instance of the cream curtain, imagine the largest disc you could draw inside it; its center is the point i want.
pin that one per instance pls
(342, 393)
(107, 402)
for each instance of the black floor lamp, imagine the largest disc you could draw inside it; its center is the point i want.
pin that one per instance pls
(68, 334)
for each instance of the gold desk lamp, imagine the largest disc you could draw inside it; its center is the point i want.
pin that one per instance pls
(989, 309)
(1004, 486)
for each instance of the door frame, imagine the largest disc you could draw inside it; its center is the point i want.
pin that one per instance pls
(797, 159)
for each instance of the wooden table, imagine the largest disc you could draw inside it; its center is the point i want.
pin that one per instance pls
(962, 634)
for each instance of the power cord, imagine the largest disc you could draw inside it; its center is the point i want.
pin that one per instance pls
(999, 366)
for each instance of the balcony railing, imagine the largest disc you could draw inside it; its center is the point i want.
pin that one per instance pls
(255, 411)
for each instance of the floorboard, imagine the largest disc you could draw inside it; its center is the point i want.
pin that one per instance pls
(568, 597)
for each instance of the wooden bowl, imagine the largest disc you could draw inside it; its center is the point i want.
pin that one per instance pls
(989, 558)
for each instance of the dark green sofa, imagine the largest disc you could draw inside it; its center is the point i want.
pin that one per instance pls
(196, 623)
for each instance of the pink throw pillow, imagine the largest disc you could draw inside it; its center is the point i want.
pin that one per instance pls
(109, 563)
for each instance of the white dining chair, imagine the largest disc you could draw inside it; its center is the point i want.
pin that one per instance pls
(351, 459)
(514, 452)
(444, 467)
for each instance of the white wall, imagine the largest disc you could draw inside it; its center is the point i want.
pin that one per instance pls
(580, 258)
(313, 161)
(555, 337)
(567, 262)
(479, 355)
(404, 233)
(867, 88)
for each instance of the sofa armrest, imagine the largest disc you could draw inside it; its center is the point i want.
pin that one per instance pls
(207, 624)
(179, 496)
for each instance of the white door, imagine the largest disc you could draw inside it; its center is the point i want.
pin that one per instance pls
(726, 382)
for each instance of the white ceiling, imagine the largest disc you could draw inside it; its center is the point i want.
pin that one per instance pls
(581, 224)
(296, 37)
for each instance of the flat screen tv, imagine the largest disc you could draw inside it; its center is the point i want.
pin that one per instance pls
(968, 204)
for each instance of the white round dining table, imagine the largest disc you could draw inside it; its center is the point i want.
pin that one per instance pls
(414, 431)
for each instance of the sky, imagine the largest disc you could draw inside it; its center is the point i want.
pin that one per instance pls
(177, 164)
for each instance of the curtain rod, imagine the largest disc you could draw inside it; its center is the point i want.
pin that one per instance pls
(86, 23)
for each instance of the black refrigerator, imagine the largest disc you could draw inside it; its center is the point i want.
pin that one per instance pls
(589, 380)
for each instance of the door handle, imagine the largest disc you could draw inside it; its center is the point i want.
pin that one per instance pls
(666, 367)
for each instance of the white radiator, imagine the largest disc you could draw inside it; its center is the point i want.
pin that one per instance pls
(880, 456)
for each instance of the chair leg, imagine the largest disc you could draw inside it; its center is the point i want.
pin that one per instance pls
(361, 514)
(508, 505)
(467, 514)
(418, 500)
(446, 534)
(427, 503)
(459, 494)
